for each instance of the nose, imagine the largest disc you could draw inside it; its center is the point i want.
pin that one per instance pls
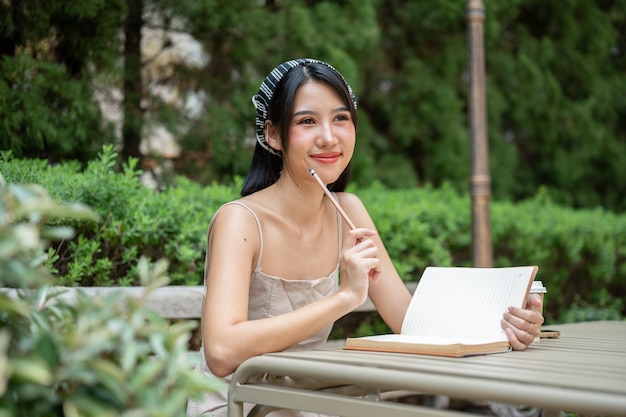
(327, 135)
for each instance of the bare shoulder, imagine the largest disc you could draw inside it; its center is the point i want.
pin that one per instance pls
(235, 210)
(236, 220)
(355, 209)
(350, 201)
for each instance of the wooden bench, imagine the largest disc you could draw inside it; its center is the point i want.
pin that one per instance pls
(176, 301)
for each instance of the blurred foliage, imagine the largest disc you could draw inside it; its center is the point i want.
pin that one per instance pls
(556, 94)
(29, 127)
(136, 221)
(103, 356)
(581, 253)
(24, 214)
(555, 86)
(53, 55)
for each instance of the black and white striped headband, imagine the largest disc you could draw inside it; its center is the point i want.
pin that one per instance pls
(261, 100)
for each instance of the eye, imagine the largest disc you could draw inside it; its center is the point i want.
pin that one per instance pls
(342, 117)
(306, 121)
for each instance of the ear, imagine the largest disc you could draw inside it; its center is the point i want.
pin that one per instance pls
(272, 136)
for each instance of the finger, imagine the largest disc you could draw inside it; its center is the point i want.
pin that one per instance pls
(362, 259)
(518, 317)
(361, 233)
(530, 315)
(534, 302)
(355, 236)
(524, 321)
(367, 247)
(518, 338)
(515, 343)
(374, 273)
(525, 314)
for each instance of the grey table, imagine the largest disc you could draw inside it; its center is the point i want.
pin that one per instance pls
(583, 371)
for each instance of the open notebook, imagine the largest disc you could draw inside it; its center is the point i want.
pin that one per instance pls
(456, 311)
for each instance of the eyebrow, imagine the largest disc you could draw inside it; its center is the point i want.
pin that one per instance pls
(337, 110)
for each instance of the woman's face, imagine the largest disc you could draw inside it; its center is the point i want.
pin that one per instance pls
(321, 134)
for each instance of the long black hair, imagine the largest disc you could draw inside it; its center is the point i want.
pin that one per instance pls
(266, 167)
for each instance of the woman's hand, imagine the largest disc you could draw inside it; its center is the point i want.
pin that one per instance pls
(359, 263)
(523, 325)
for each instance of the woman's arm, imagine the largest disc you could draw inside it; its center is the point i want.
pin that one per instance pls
(229, 337)
(388, 293)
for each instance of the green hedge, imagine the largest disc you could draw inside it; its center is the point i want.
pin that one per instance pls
(581, 253)
(136, 221)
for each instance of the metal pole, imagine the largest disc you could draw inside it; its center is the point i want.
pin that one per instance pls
(480, 180)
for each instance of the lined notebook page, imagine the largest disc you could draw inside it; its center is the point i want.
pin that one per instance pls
(465, 302)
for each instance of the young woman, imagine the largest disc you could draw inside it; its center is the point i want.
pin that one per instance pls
(274, 256)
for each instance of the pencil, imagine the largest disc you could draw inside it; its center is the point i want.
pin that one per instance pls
(332, 199)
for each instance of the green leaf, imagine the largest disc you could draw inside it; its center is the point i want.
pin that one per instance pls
(14, 305)
(5, 339)
(46, 349)
(83, 405)
(31, 369)
(57, 233)
(111, 376)
(145, 374)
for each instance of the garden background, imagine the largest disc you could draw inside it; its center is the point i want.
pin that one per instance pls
(100, 98)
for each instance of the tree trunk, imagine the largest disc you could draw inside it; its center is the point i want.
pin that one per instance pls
(133, 91)
(10, 39)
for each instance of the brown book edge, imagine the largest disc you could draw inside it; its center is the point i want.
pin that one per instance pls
(533, 274)
(455, 350)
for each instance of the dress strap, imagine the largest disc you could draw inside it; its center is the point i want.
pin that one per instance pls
(258, 223)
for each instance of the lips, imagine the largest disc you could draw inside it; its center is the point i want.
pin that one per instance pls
(327, 158)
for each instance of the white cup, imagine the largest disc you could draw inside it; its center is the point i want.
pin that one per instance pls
(538, 288)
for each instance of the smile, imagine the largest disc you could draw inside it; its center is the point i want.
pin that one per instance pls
(327, 158)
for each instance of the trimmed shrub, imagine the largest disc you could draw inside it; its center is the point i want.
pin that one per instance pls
(135, 221)
(581, 254)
